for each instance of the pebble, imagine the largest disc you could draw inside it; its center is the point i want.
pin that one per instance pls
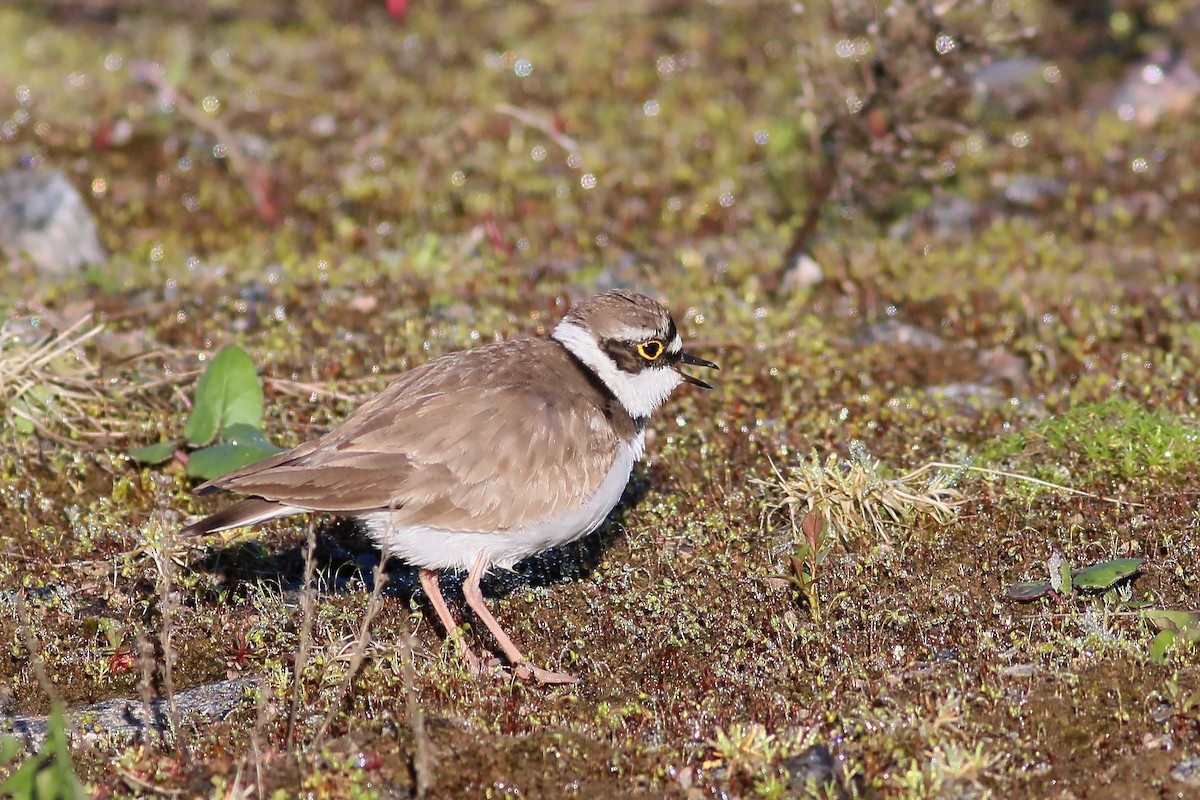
(1187, 772)
(43, 220)
(125, 720)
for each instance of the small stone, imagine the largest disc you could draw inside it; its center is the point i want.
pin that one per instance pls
(895, 333)
(44, 221)
(1032, 192)
(1187, 772)
(1164, 83)
(815, 768)
(1011, 86)
(323, 126)
(804, 274)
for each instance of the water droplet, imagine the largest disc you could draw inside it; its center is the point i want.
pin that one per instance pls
(650, 108)
(523, 68)
(944, 44)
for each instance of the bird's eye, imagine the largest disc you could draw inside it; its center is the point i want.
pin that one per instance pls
(650, 349)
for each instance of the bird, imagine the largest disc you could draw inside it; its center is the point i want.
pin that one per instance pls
(486, 456)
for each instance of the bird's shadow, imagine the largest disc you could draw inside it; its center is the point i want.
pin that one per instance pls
(345, 559)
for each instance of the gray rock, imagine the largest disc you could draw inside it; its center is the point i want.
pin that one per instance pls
(810, 772)
(894, 333)
(44, 221)
(125, 720)
(803, 274)
(1187, 772)
(1012, 85)
(1164, 83)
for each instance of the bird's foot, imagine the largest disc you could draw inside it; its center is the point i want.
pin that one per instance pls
(526, 671)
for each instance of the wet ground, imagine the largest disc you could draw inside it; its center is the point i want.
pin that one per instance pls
(1000, 274)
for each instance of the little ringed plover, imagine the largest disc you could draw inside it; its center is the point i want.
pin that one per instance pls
(483, 457)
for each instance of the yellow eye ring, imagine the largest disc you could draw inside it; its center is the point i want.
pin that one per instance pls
(650, 349)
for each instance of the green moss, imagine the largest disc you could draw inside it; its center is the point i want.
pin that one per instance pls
(1113, 439)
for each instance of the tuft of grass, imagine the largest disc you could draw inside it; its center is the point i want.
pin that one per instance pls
(856, 497)
(1113, 438)
(45, 382)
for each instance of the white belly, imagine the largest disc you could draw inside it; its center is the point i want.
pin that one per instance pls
(437, 548)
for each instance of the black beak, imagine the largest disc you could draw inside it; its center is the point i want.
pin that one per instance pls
(695, 361)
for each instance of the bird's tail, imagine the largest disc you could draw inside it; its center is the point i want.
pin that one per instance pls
(250, 511)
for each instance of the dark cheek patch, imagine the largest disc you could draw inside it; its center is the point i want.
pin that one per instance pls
(624, 356)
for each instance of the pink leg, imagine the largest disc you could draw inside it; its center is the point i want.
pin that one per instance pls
(429, 582)
(521, 666)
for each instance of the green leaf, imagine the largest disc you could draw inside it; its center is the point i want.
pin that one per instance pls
(21, 416)
(65, 782)
(49, 773)
(228, 394)
(218, 459)
(181, 57)
(240, 433)
(1183, 623)
(1159, 646)
(1106, 573)
(154, 453)
(1028, 590)
(10, 748)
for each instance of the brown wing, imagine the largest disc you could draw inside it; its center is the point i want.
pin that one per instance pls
(466, 442)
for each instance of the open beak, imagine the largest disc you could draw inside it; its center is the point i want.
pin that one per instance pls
(695, 361)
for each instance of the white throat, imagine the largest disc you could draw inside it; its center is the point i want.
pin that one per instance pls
(640, 393)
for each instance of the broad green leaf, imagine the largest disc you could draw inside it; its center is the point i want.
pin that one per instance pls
(218, 459)
(240, 433)
(228, 393)
(1184, 623)
(154, 453)
(1159, 646)
(1028, 590)
(1106, 573)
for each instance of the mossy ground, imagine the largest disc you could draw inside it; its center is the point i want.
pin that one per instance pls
(464, 173)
